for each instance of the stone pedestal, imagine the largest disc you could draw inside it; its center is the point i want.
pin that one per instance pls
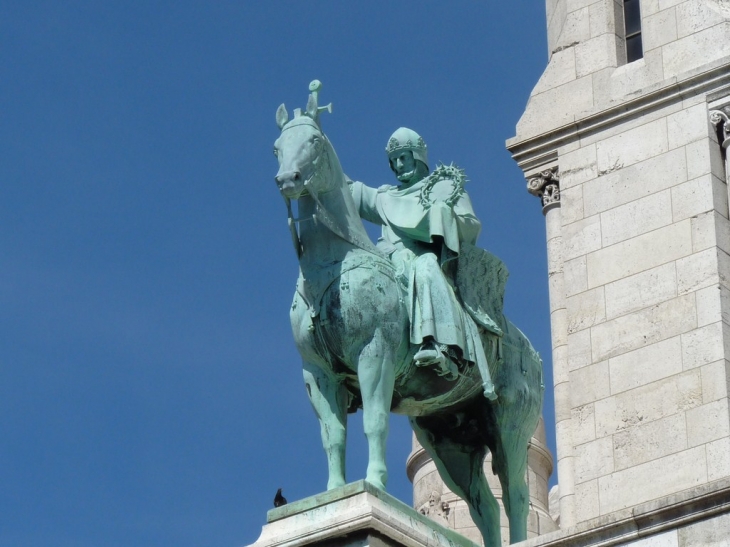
(355, 515)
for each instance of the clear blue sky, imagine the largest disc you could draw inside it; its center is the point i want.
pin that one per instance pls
(150, 392)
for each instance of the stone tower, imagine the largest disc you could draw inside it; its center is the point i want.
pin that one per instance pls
(624, 139)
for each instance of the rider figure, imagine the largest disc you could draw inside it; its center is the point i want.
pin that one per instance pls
(424, 220)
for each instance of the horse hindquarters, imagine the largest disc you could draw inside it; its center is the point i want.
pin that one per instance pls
(456, 445)
(520, 388)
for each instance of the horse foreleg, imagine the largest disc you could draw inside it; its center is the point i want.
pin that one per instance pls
(376, 375)
(329, 399)
(460, 466)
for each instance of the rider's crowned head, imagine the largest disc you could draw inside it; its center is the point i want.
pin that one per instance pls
(407, 155)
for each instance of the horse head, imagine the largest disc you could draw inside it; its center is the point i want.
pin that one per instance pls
(302, 149)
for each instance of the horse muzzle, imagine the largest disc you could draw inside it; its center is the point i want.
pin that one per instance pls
(290, 183)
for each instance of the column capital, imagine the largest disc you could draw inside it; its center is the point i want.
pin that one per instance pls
(546, 186)
(720, 118)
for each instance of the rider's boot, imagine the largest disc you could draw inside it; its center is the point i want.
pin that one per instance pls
(489, 392)
(436, 355)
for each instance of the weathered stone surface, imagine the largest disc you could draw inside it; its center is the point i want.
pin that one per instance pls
(639, 291)
(553, 108)
(642, 328)
(652, 479)
(571, 204)
(715, 379)
(595, 53)
(695, 16)
(613, 85)
(650, 441)
(702, 346)
(696, 50)
(626, 184)
(581, 237)
(586, 500)
(708, 422)
(644, 404)
(601, 18)
(593, 460)
(704, 157)
(589, 384)
(576, 276)
(636, 218)
(576, 27)
(687, 126)
(640, 253)
(698, 196)
(707, 533)
(659, 29)
(579, 349)
(645, 365)
(578, 166)
(586, 309)
(710, 229)
(560, 70)
(666, 539)
(630, 147)
(584, 424)
(718, 459)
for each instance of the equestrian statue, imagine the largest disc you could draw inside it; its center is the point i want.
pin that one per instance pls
(412, 325)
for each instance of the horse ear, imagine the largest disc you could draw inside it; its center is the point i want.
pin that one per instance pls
(282, 116)
(312, 109)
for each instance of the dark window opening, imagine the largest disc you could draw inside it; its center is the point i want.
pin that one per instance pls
(632, 26)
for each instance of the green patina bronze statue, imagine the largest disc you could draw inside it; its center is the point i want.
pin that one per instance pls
(413, 325)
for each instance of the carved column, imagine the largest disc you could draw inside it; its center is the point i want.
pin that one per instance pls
(720, 118)
(546, 186)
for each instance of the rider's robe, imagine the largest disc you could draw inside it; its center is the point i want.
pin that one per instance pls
(423, 228)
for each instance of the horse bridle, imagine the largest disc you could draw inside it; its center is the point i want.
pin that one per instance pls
(321, 212)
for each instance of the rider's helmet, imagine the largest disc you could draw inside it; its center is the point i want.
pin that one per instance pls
(407, 139)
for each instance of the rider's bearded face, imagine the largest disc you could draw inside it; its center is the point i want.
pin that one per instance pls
(403, 164)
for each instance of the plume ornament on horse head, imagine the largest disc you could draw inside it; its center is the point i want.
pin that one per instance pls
(412, 325)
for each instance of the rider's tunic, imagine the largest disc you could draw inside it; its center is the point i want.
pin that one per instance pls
(423, 226)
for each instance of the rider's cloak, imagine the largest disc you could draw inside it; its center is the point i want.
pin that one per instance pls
(425, 227)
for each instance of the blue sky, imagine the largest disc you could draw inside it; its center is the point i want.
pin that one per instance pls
(150, 392)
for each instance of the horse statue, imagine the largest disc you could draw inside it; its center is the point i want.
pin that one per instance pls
(350, 325)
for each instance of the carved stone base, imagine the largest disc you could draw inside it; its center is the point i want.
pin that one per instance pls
(355, 515)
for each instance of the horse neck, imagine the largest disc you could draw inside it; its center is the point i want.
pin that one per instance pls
(319, 243)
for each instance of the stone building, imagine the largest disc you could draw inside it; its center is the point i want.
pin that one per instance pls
(624, 140)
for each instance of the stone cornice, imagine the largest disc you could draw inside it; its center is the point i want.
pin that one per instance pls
(643, 520)
(535, 152)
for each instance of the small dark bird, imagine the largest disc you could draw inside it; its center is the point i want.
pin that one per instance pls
(279, 500)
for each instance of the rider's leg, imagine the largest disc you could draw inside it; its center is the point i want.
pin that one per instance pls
(483, 366)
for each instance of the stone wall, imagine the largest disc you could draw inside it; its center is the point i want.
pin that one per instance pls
(627, 161)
